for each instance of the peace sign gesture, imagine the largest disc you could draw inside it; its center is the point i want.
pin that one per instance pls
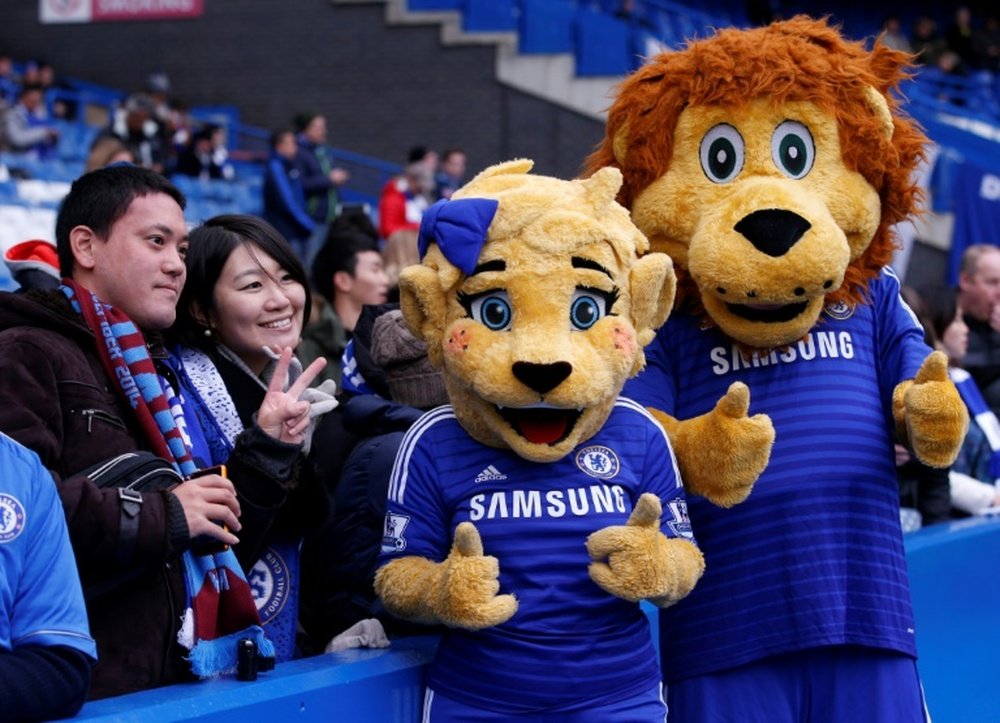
(282, 415)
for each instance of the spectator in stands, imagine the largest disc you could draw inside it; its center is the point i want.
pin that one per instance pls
(976, 471)
(979, 299)
(136, 125)
(106, 150)
(959, 37)
(398, 385)
(401, 206)
(319, 176)
(239, 320)
(10, 83)
(46, 651)
(926, 41)
(893, 35)
(69, 391)
(431, 161)
(284, 199)
(451, 173)
(986, 43)
(347, 274)
(28, 128)
(206, 156)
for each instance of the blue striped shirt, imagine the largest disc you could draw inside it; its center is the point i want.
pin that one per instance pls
(570, 644)
(815, 555)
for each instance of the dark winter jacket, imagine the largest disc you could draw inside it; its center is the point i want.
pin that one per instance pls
(56, 398)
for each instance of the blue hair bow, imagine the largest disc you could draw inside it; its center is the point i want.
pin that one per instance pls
(459, 229)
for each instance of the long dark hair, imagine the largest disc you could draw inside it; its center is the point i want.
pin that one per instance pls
(210, 246)
(940, 307)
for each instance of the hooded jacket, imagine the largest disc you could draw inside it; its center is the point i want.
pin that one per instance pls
(56, 399)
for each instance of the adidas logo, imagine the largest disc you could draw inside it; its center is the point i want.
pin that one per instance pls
(490, 473)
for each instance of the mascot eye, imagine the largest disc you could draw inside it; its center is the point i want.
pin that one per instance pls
(792, 149)
(722, 153)
(587, 307)
(492, 310)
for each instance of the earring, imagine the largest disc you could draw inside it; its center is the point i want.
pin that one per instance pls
(207, 332)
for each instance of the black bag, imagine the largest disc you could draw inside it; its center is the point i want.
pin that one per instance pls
(132, 474)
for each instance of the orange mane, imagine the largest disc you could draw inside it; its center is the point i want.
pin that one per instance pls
(801, 59)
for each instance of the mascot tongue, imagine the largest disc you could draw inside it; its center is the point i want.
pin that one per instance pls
(539, 426)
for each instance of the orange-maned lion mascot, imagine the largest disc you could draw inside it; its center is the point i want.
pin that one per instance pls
(771, 164)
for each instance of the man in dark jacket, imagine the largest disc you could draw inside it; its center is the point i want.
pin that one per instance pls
(121, 236)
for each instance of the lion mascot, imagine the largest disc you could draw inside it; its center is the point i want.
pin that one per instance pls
(770, 165)
(532, 514)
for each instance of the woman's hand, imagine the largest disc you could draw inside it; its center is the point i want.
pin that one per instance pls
(282, 415)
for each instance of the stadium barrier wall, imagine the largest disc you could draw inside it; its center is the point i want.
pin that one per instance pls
(956, 593)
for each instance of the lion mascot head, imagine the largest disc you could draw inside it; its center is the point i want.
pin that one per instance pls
(770, 164)
(535, 304)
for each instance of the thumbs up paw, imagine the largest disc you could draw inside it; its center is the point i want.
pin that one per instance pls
(466, 596)
(635, 561)
(930, 413)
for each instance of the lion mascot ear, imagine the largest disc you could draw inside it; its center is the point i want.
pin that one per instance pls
(652, 284)
(422, 301)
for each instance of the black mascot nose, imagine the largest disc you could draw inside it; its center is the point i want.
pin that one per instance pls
(542, 377)
(773, 231)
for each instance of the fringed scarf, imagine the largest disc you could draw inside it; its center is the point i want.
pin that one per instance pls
(980, 411)
(220, 609)
(274, 579)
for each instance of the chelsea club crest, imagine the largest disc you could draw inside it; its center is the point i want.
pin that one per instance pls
(598, 461)
(839, 311)
(11, 518)
(269, 584)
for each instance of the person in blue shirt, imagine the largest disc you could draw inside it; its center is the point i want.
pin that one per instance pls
(46, 651)
(284, 198)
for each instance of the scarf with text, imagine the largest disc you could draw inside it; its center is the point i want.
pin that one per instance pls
(219, 606)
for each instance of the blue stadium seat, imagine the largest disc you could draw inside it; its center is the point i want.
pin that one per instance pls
(603, 45)
(489, 15)
(546, 26)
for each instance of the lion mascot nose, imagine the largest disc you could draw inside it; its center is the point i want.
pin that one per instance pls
(773, 231)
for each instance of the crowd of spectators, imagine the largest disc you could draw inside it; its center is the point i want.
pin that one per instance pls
(967, 44)
(314, 280)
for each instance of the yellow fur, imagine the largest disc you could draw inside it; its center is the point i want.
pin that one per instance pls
(721, 453)
(930, 414)
(641, 562)
(556, 240)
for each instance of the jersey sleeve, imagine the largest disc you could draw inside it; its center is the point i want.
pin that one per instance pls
(662, 478)
(48, 606)
(654, 386)
(416, 518)
(902, 348)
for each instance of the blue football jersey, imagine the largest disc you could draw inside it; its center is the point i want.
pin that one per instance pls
(570, 644)
(815, 555)
(41, 602)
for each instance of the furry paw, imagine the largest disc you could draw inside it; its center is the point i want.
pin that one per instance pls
(935, 418)
(723, 452)
(641, 562)
(466, 596)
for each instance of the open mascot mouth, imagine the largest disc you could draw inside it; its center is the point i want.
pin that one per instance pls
(541, 425)
(769, 313)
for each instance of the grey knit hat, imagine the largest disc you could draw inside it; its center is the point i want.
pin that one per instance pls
(411, 378)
